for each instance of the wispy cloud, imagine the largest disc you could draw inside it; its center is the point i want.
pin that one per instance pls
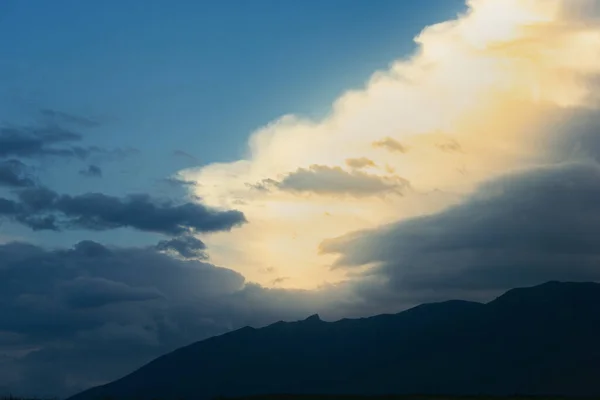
(391, 145)
(358, 163)
(184, 154)
(63, 117)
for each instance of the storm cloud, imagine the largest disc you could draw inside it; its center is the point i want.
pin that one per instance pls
(520, 229)
(105, 311)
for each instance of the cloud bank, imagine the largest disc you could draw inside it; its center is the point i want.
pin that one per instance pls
(103, 311)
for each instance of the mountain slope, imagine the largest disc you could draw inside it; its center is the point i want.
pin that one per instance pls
(540, 340)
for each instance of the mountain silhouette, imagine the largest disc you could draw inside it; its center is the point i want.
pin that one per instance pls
(537, 341)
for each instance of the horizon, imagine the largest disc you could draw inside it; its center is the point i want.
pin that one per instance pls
(172, 172)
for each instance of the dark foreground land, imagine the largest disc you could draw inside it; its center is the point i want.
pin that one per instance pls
(403, 397)
(535, 341)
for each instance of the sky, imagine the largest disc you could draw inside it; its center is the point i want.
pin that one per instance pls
(173, 171)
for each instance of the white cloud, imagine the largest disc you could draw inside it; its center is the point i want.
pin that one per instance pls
(469, 104)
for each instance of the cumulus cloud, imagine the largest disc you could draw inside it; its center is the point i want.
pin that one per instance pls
(41, 209)
(473, 102)
(92, 171)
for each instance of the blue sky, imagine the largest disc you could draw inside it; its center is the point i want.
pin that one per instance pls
(195, 76)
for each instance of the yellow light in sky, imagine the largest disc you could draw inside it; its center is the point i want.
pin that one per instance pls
(467, 106)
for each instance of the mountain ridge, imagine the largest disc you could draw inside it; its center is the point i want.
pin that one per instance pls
(536, 340)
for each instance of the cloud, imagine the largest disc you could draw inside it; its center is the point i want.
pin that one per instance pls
(358, 163)
(324, 180)
(76, 304)
(14, 173)
(83, 292)
(92, 171)
(105, 311)
(51, 141)
(32, 142)
(517, 230)
(391, 145)
(8, 207)
(185, 246)
(450, 146)
(41, 208)
(477, 95)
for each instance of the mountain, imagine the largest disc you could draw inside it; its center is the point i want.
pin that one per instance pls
(538, 340)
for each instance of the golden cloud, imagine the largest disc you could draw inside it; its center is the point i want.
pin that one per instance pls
(469, 104)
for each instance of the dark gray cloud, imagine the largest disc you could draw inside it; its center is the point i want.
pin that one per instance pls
(8, 207)
(51, 140)
(518, 230)
(92, 171)
(361, 162)
(42, 208)
(14, 173)
(35, 142)
(105, 311)
(185, 246)
(391, 145)
(91, 292)
(325, 180)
